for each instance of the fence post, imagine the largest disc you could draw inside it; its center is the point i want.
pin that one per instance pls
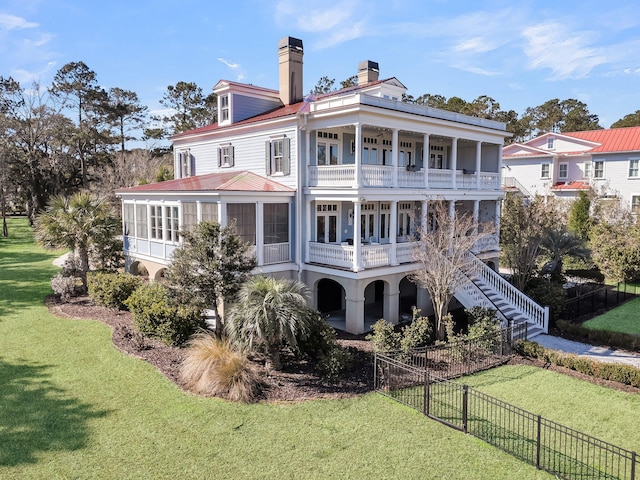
(465, 407)
(538, 442)
(375, 371)
(425, 399)
(633, 465)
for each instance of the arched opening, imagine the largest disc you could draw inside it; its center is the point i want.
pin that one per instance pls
(492, 265)
(138, 269)
(160, 275)
(374, 301)
(330, 296)
(408, 299)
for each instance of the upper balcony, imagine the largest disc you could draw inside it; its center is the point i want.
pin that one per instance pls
(383, 176)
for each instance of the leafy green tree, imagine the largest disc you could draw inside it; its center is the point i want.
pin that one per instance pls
(523, 226)
(125, 113)
(269, 312)
(579, 221)
(556, 115)
(77, 87)
(615, 245)
(190, 108)
(74, 222)
(559, 243)
(630, 120)
(209, 267)
(352, 81)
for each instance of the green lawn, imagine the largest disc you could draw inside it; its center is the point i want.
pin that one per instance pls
(72, 406)
(624, 318)
(601, 412)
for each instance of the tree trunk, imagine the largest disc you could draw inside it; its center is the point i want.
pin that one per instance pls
(83, 256)
(273, 358)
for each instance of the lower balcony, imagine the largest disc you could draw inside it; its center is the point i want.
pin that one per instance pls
(381, 176)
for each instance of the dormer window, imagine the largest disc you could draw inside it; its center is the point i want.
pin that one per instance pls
(185, 163)
(550, 142)
(225, 116)
(225, 156)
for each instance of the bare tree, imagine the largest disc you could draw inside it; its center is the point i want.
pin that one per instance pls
(443, 251)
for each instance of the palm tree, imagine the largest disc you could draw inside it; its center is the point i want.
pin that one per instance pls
(269, 311)
(560, 243)
(74, 223)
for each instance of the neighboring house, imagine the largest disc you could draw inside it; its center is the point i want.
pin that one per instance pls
(563, 164)
(330, 189)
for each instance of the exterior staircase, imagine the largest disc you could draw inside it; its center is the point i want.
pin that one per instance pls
(487, 289)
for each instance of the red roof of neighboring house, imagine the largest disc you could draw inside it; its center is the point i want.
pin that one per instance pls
(227, 181)
(611, 140)
(576, 185)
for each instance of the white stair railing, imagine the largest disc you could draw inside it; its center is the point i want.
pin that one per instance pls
(535, 313)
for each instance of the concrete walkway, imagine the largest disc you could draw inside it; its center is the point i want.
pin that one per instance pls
(601, 354)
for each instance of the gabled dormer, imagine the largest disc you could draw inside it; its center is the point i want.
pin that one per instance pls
(239, 101)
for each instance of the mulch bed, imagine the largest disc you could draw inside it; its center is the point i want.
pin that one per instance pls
(296, 381)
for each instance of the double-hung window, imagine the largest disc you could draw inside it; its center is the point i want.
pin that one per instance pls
(598, 169)
(587, 170)
(635, 203)
(141, 221)
(563, 171)
(224, 109)
(277, 156)
(633, 167)
(225, 156)
(185, 163)
(545, 170)
(128, 219)
(171, 223)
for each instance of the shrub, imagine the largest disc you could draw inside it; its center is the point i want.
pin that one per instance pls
(333, 364)
(384, 337)
(154, 316)
(318, 341)
(64, 287)
(616, 372)
(602, 337)
(418, 333)
(212, 366)
(111, 289)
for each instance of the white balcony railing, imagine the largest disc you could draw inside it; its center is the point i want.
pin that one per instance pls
(381, 176)
(371, 256)
(275, 253)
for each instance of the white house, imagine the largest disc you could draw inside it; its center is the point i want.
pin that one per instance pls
(331, 189)
(563, 164)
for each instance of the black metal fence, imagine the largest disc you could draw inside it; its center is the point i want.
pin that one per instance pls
(548, 445)
(600, 298)
(464, 357)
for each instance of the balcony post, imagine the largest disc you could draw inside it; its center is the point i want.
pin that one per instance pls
(358, 156)
(394, 157)
(310, 219)
(478, 163)
(393, 233)
(424, 221)
(357, 241)
(496, 219)
(260, 233)
(222, 214)
(426, 158)
(454, 162)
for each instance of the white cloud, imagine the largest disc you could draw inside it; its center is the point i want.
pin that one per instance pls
(567, 54)
(12, 22)
(231, 65)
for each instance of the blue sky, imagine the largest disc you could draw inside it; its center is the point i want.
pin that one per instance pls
(520, 53)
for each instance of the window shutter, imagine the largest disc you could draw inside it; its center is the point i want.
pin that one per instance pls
(267, 157)
(180, 169)
(232, 157)
(286, 157)
(192, 165)
(219, 157)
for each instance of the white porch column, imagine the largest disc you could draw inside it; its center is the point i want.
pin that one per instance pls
(478, 163)
(199, 211)
(476, 211)
(307, 239)
(394, 157)
(391, 305)
(454, 162)
(222, 214)
(424, 221)
(426, 157)
(354, 311)
(357, 241)
(358, 156)
(260, 233)
(393, 232)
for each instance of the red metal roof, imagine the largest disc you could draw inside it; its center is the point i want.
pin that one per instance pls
(227, 181)
(576, 185)
(611, 140)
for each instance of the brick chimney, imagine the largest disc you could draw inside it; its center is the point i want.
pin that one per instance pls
(290, 70)
(368, 71)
